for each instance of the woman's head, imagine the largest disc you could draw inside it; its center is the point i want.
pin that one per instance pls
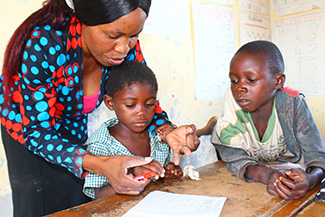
(96, 12)
(109, 44)
(110, 28)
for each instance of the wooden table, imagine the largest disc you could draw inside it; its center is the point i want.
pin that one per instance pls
(243, 199)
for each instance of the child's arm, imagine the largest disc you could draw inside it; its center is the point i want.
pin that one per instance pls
(173, 171)
(208, 128)
(105, 191)
(265, 175)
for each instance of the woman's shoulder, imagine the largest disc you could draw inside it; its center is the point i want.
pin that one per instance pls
(53, 40)
(46, 36)
(49, 49)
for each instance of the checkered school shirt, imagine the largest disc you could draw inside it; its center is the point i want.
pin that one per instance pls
(102, 143)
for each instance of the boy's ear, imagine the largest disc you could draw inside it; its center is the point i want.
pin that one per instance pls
(280, 79)
(108, 102)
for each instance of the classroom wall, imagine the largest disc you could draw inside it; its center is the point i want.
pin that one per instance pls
(172, 58)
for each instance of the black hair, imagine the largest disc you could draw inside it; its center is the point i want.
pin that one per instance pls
(128, 73)
(54, 13)
(274, 58)
(96, 12)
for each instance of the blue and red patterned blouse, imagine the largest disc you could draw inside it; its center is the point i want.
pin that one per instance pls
(47, 106)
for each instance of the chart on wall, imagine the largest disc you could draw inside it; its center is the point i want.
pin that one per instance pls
(222, 2)
(286, 7)
(168, 18)
(254, 21)
(214, 46)
(261, 7)
(301, 40)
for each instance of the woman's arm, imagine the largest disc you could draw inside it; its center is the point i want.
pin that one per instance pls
(37, 110)
(115, 169)
(182, 139)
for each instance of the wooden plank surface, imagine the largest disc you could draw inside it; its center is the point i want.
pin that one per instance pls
(315, 209)
(244, 199)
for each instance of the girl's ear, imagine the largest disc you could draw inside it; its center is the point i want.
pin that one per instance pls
(280, 79)
(108, 102)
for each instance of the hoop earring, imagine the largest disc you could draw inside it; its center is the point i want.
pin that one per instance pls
(70, 4)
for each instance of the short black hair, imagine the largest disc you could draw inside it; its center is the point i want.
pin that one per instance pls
(274, 58)
(128, 73)
(96, 12)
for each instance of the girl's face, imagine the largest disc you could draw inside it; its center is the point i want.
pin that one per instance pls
(110, 43)
(134, 106)
(253, 84)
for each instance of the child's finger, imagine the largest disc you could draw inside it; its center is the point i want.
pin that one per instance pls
(156, 167)
(293, 176)
(288, 182)
(281, 190)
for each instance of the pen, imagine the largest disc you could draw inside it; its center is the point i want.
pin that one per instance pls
(146, 175)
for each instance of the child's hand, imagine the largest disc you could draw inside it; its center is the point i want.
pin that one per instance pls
(298, 181)
(272, 180)
(173, 171)
(152, 166)
(293, 185)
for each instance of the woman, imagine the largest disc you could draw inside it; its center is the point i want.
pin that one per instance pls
(59, 58)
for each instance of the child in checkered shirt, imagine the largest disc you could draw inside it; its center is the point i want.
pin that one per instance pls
(132, 96)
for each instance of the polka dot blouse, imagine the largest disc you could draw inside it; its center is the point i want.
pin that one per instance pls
(46, 113)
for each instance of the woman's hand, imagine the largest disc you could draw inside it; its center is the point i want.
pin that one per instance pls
(182, 140)
(173, 171)
(115, 169)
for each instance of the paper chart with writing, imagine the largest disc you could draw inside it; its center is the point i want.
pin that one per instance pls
(253, 27)
(168, 17)
(162, 204)
(222, 2)
(301, 40)
(256, 6)
(214, 46)
(286, 7)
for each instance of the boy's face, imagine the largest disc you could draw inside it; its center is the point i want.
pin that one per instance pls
(253, 84)
(134, 106)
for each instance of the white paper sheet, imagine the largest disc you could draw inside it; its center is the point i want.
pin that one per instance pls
(162, 204)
